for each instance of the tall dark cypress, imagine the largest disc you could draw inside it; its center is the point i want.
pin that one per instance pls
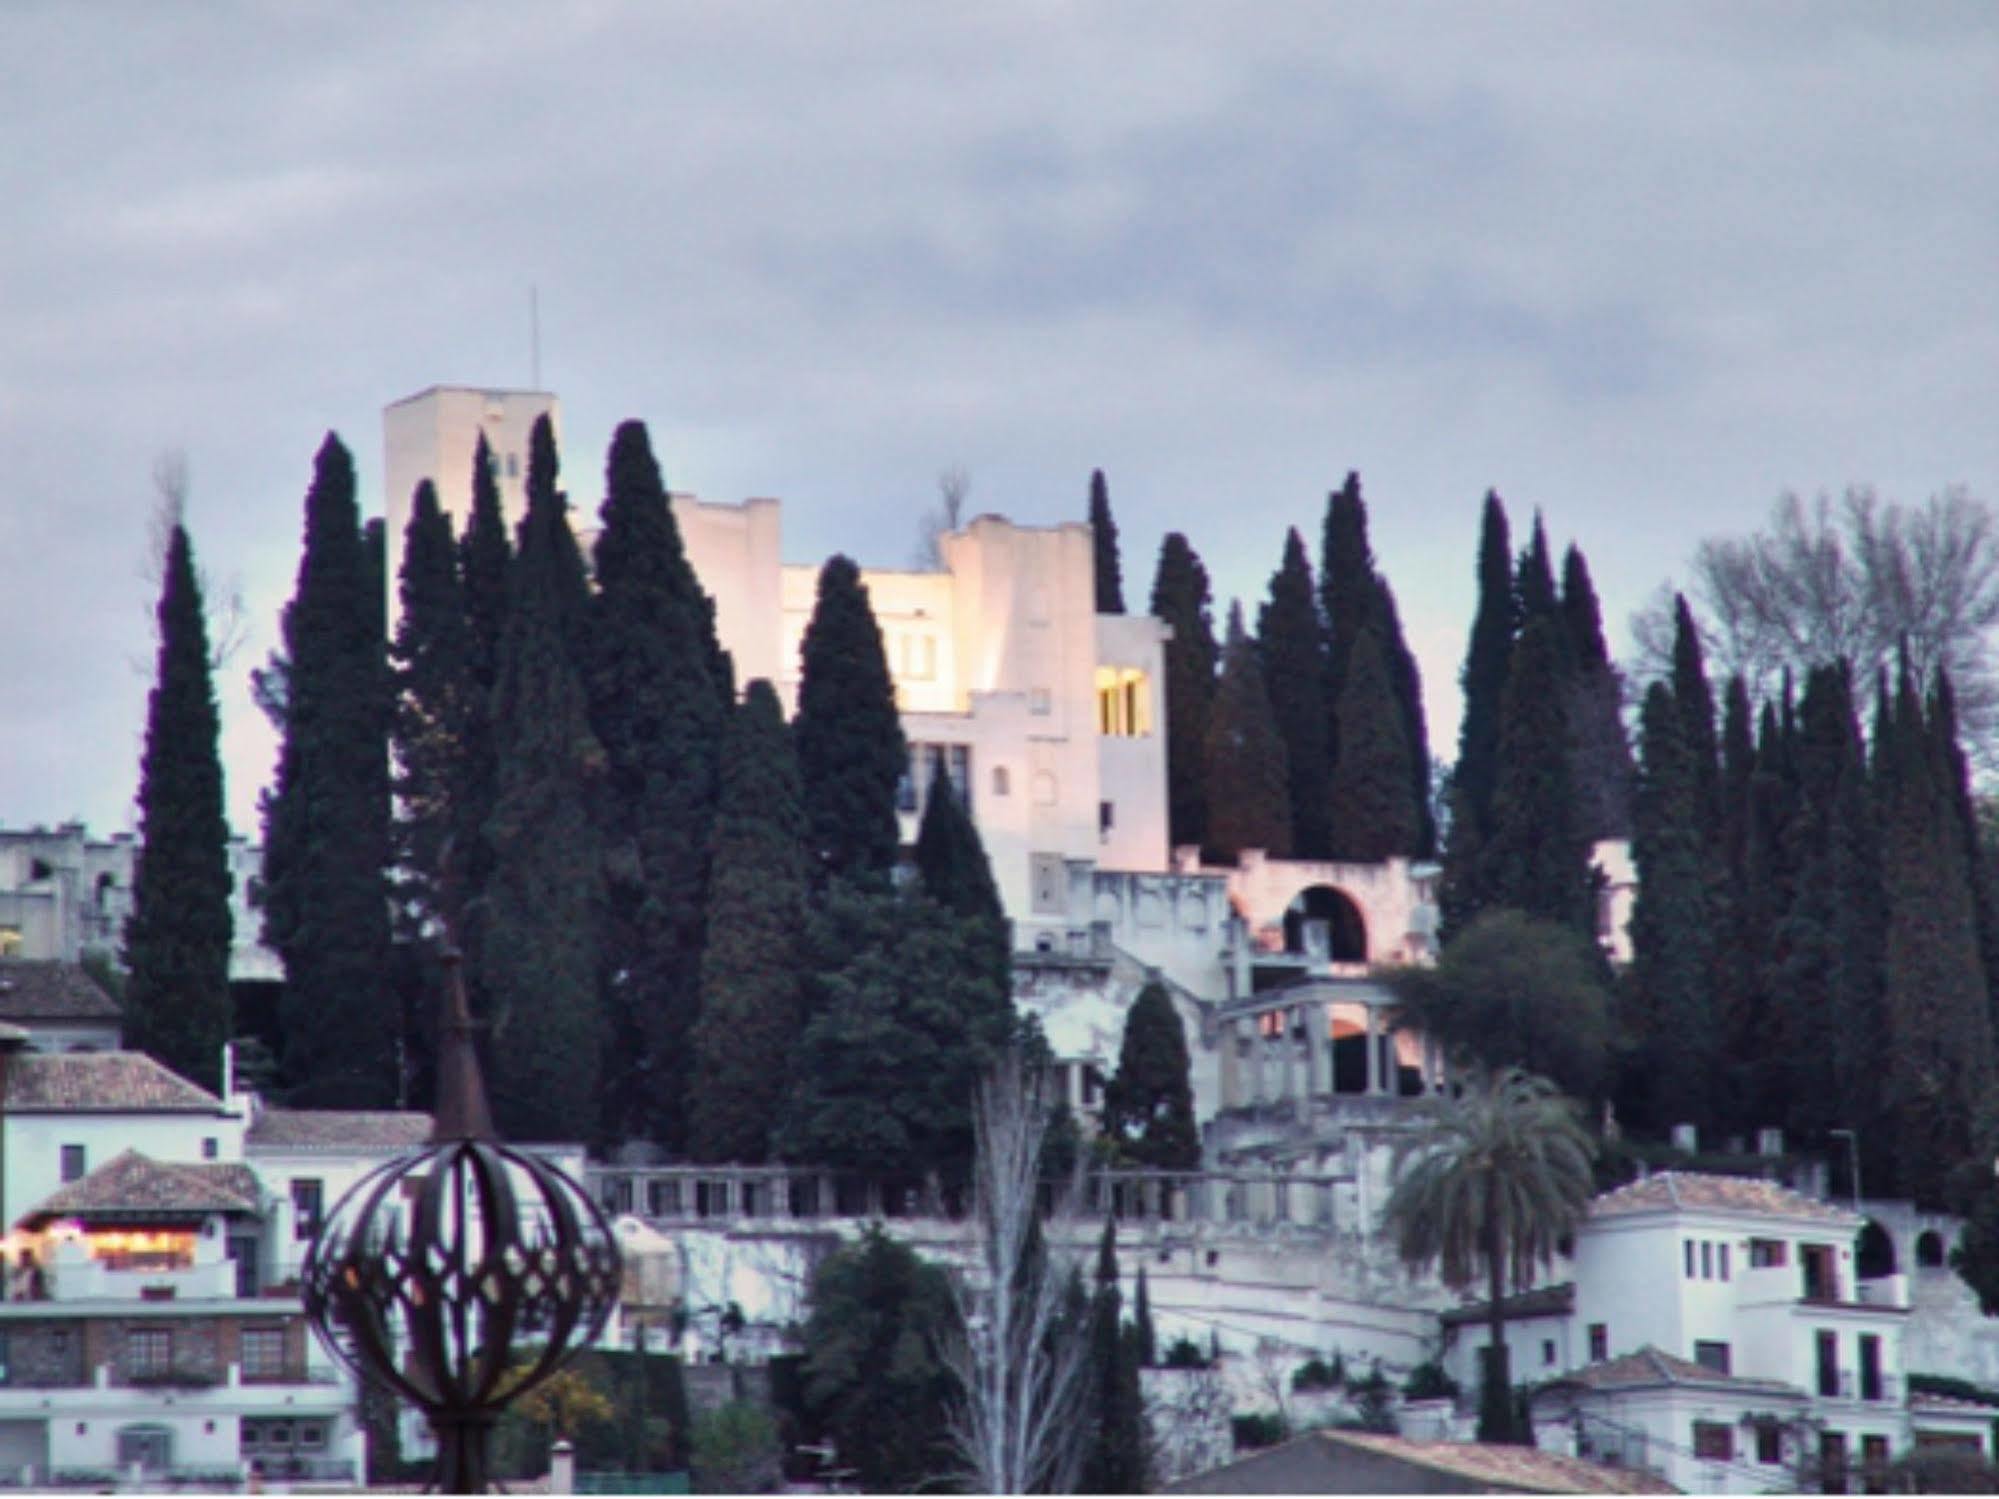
(1114, 1459)
(1103, 542)
(1180, 597)
(1742, 925)
(327, 819)
(431, 657)
(1534, 584)
(1695, 701)
(751, 1004)
(177, 939)
(950, 856)
(1291, 647)
(1672, 923)
(1536, 860)
(541, 958)
(1955, 770)
(1149, 1105)
(1483, 681)
(851, 749)
(1602, 768)
(485, 563)
(1373, 817)
(1249, 784)
(659, 716)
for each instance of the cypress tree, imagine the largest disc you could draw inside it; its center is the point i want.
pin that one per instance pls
(1695, 701)
(327, 819)
(1356, 599)
(1483, 678)
(951, 857)
(1534, 585)
(1115, 1459)
(1372, 817)
(851, 750)
(485, 564)
(1149, 1104)
(177, 938)
(544, 904)
(1103, 543)
(1672, 927)
(1937, 1000)
(1741, 928)
(1955, 771)
(1291, 647)
(1602, 767)
(751, 1003)
(1180, 597)
(659, 716)
(434, 689)
(1146, 1341)
(1249, 790)
(1535, 859)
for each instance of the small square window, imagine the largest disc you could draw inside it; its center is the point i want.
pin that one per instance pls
(1038, 700)
(1106, 816)
(210, 1148)
(1714, 1441)
(74, 1161)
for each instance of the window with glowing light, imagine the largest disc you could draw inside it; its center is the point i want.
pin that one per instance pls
(1124, 706)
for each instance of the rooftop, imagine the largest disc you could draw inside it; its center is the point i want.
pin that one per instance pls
(135, 1186)
(1696, 1191)
(1334, 1462)
(1649, 1368)
(1545, 1301)
(338, 1129)
(100, 1082)
(31, 990)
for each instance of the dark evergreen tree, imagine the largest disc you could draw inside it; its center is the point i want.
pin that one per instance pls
(951, 862)
(326, 841)
(659, 715)
(1695, 701)
(1672, 924)
(1483, 680)
(1114, 1459)
(177, 940)
(1249, 784)
(1355, 599)
(1534, 584)
(541, 956)
(1536, 859)
(1145, 1341)
(906, 1015)
(751, 1001)
(434, 690)
(1742, 932)
(1180, 597)
(1149, 1104)
(1601, 768)
(1291, 647)
(485, 563)
(851, 751)
(1373, 816)
(1103, 540)
(1940, 1065)
(1956, 773)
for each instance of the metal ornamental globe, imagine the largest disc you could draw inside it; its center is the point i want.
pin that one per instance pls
(463, 1275)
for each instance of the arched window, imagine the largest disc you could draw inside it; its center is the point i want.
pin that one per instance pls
(1876, 1254)
(1929, 1249)
(1322, 909)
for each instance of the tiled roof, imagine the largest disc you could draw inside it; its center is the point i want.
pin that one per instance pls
(31, 990)
(1544, 1301)
(1649, 1368)
(1518, 1467)
(100, 1082)
(1348, 1462)
(1699, 1192)
(338, 1129)
(136, 1186)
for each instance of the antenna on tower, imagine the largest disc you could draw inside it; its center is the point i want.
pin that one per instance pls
(534, 336)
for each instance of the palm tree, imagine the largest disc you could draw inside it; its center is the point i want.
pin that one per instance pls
(1503, 1177)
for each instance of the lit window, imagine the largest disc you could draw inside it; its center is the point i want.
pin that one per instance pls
(1124, 707)
(264, 1353)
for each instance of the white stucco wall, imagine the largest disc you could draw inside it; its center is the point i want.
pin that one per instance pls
(34, 1142)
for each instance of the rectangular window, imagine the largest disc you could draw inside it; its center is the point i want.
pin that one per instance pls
(1871, 1384)
(1689, 1246)
(1038, 701)
(263, 1354)
(148, 1351)
(311, 1435)
(1765, 1254)
(1707, 1260)
(1828, 1361)
(1599, 1342)
(1769, 1442)
(74, 1163)
(1721, 1254)
(307, 1195)
(1106, 816)
(1832, 1462)
(1874, 1464)
(1714, 1441)
(1547, 1353)
(1713, 1356)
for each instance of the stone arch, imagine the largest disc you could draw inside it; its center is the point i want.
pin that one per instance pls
(1874, 1256)
(1345, 925)
(1929, 1250)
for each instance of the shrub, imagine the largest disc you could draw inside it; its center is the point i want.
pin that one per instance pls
(1428, 1381)
(1258, 1429)
(736, 1451)
(1317, 1374)
(1185, 1353)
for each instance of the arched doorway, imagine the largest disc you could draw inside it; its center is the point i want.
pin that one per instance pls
(1324, 923)
(1929, 1250)
(1875, 1255)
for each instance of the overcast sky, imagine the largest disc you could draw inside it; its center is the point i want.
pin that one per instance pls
(1642, 267)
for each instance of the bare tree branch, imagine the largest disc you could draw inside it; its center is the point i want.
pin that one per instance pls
(1018, 1360)
(953, 485)
(223, 609)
